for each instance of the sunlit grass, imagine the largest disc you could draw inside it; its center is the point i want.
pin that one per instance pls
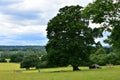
(10, 71)
(9, 66)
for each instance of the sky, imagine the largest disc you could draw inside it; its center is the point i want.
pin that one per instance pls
(24, 22)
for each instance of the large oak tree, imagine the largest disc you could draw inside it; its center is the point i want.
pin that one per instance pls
(70, 38)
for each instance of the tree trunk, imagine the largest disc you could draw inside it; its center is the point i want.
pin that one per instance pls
(75, 68)
(27, 68)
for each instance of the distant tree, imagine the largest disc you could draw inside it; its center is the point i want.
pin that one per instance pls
(100, 51)
(70, 38)
(3, 60)
(16, 58)
(5, 53)
(99, 57)
(30, 61)
(113, 58)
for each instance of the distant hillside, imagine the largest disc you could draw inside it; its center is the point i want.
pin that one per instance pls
(20, 47)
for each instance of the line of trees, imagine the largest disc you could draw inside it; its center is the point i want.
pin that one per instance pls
(7, 51)
(27, 57)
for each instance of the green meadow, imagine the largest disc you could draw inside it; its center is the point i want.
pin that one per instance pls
(11, 71)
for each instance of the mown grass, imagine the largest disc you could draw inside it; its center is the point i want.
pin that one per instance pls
(11, 71)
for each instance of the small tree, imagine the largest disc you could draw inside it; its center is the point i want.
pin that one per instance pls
(113, 58)
(16, 58)
(3, 60)
(30, 61)
(100, 57)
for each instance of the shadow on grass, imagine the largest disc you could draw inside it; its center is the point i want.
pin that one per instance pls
(51, 71)
(81, 70)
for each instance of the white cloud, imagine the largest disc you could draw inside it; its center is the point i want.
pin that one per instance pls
(20, 30)
(47, 9)
(10, 31)
(46, 4)
(4, 17)
(11, 27)
(101, 40)
(30, 29)
(9, 35)
(93, 25)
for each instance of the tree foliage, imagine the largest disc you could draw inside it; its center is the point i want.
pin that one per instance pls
(113, 58)
(30, 61)
(70, 38)
(3, 60)
(16, 58)
(99, 57)
(100, 51)
(102, 58)
(106, 13)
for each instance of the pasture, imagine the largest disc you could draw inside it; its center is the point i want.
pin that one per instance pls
(11, 71)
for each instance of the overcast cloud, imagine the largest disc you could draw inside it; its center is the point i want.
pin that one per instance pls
(24, 22)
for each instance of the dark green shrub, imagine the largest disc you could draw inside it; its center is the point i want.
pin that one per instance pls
(3, 60)
(30, 61)
(16, 58)
(44, 64)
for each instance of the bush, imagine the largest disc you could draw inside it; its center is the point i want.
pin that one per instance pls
(30, 61)
(16, 58)
(43, 58)
(44, 64)
(3, 60)
(100, 59)
(113, 58)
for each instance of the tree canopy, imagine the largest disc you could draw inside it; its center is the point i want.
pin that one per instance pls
(99, 57)
(106, 13)
(30, 61)
(16, 57)
(70, 38)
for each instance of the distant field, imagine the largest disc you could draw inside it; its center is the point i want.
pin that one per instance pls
(11, 71)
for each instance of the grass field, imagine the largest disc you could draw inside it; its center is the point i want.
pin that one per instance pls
(11, 71)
